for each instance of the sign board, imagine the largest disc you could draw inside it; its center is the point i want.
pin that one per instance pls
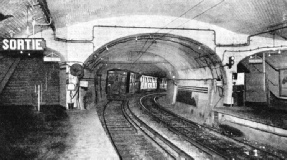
(240, 79)
(251, 61)
(71, 87)
(22, 44)
(51, 59)
(84, 83)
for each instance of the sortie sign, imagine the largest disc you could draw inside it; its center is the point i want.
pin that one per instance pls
(22, 44)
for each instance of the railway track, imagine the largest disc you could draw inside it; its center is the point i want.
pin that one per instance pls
(214, 144)
(129, 136)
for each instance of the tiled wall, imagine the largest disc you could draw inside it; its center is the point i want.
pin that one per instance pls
(20, 89)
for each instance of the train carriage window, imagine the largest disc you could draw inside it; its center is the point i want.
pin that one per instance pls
(111, 77)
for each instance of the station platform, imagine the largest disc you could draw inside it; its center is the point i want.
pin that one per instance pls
(264, 125)
(88, 136)
(264, 116)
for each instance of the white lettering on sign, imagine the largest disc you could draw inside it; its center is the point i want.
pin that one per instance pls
(12, 44)
(5, 44)
(36, 44)
(28, 41)
(21, 45)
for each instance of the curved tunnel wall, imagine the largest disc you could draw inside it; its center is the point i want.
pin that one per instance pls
(195, 68)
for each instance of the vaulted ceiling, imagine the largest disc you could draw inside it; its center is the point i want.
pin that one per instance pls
(154, 54)
(242, 16)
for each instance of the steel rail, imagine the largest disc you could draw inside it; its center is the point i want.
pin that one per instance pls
(213, 131)
(181, 153)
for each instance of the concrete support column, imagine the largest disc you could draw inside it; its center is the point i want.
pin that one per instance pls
(63, 83)
(171, 91)
(174, 94)
(228, 99)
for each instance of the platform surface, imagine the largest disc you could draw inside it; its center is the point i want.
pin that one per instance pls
(90, 141)
(267, 116)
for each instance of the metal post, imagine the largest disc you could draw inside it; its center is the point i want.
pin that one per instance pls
(264, 79)
(264, 71)
(39, 97)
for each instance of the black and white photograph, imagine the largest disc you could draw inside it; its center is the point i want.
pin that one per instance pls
(143, 79)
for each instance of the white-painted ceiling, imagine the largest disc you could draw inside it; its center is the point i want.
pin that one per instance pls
(242, 16)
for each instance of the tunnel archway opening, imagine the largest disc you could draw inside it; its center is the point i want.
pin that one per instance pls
(262, 80)
(192, 68)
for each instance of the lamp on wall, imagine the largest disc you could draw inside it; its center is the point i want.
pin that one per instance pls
(230, 61)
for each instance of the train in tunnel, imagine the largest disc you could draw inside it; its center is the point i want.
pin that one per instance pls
(124, 82)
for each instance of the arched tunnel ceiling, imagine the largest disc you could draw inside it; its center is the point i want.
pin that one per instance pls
(153, 54)
(242, 16)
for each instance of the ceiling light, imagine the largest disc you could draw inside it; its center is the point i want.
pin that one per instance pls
(269, 55)
(251, 57)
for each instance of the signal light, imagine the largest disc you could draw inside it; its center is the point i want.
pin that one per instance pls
(230, 62)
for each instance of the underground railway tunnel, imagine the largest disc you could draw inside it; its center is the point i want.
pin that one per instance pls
(190, 67)
(223, 63)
